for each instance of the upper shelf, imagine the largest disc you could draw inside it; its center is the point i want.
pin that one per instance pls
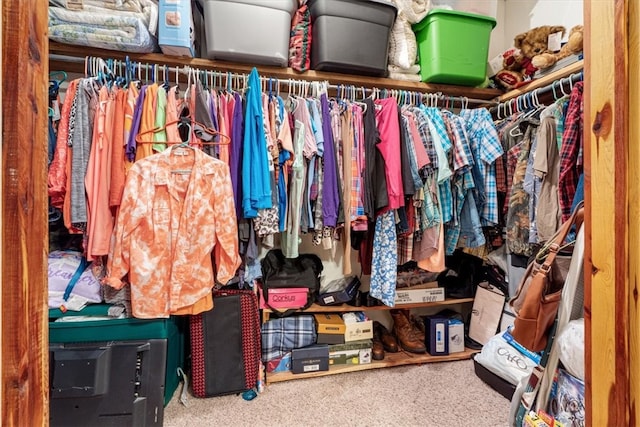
(267, 71)
(60, 50)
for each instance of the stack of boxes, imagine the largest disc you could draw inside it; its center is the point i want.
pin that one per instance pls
(348, 336)
(443, 335)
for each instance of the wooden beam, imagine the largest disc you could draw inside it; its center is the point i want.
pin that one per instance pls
(633, 183)
(25, 361)
(606, 199)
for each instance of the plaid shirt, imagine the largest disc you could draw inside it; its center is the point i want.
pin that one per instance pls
(425, 134)
(282, 335)
(570, 162)
(413, 162)
(462, 180)
(512, 161)
(358, 218)
(486, 148)
(443, 147)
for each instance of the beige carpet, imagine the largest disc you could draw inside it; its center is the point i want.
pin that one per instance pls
(430, 395)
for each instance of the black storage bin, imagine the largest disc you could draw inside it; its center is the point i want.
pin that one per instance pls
(351, 36)
(502, 386)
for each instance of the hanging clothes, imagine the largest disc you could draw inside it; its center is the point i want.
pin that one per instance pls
(256, 184)
(571, 150)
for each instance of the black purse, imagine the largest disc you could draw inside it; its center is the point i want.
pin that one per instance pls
(280, 272)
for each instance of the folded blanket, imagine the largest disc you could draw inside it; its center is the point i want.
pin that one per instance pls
(402, 41)
(414, 69)
(103, 28)
(405, 77)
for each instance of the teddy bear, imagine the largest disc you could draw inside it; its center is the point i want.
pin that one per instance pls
(571, 47)
(517, 63)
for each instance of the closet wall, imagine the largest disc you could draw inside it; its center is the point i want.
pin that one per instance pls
(520, 15)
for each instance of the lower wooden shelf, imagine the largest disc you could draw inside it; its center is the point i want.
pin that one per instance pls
(391, 359)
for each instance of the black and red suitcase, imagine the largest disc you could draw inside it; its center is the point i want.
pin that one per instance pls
(226, 345)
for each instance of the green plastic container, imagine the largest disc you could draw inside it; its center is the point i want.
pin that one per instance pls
(172, 329)
(453, 47)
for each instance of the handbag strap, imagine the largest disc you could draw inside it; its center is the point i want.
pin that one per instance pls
(74, 279)
(576, 218)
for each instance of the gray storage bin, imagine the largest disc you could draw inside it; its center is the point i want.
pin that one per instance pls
(351, 36)
(250, 31)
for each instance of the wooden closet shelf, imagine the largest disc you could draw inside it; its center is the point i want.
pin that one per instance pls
(543, 81)
(390, 360)
(56, 63)
(343, 308)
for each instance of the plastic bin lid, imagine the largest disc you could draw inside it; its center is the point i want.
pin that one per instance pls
(466, 15)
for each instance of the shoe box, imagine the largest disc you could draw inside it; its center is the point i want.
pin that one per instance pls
(313, 358)
(456, 336)
(412, 296)
(345, 291)
(352, 353)
(330, 327)
(436, 335)
(357, 326)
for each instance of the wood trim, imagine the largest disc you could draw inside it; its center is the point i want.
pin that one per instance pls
(401, 358)
(606, 200)
(633, 183)
(25, 360)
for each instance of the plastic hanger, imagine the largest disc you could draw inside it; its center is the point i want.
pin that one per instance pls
(184, 145)
(185, 121)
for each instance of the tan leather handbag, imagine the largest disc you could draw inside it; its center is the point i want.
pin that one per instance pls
(538, 297)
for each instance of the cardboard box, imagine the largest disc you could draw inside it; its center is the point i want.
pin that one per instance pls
(353, 345)
(313, 358)
(436, 335)
(456, 336)
(330, 323)
(346, 294)
(330, 339)
(176, 28)
(358, 331)
(413, 296)
(350, 357)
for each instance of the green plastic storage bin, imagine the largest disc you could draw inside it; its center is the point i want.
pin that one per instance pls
(172, 329)
(453, 47)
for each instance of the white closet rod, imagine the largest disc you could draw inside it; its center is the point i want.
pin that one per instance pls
(96, 67)
(531, 99)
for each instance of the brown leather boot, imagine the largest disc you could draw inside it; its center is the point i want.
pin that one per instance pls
(388, 341)
(377, 349)
(405, 332)
(418, 325)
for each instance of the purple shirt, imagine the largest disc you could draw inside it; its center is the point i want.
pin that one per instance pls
(235, 155)
(330, 197)
(130, 149)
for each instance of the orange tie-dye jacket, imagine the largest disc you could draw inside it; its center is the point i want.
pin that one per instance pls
(168, 225)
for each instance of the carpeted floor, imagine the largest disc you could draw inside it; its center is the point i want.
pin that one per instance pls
(429, 395)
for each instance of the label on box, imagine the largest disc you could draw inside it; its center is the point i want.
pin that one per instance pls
(329, 323)
(358, 331)
(554, 41)
(311, 368)
(495, 65)
(414, 296)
